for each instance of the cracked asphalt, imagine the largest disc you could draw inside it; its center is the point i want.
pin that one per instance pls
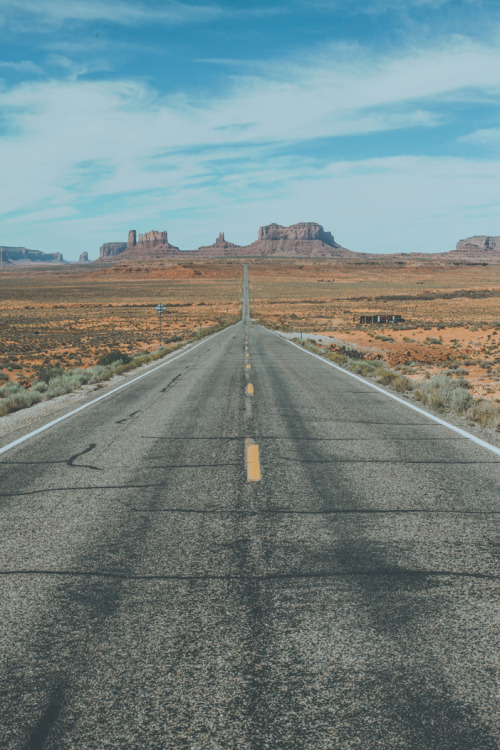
(152, 597)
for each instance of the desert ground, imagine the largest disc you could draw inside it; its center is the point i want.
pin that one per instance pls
(451, 312)
(70, 316)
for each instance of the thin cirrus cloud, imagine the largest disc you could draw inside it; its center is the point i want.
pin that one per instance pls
(380, 7)
(50, 12)
(483, 137)
(23, 66)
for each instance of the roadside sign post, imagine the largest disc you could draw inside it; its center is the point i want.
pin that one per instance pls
(160, 309)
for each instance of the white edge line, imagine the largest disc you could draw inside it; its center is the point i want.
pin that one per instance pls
(44, 427)
(464, 433)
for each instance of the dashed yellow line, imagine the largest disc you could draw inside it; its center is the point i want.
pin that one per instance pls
(252, 461)
(249, 366)
(250, 389)
(247, 354)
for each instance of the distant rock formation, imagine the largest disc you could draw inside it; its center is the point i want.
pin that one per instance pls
(84, 258)
(478, 246)
(305, 231)
(153, 239)
(220, 248)
(111, 249)
(148, 239)
(22, 255)
(147, 246)
(307, 239)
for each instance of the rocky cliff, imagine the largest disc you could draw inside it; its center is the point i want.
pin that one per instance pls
(145, 246)
(110, 249)
(84, 258)
(153, 239)
(20, 255)
(150, 245)
(305, 231)
(479, 246)
(307, 239)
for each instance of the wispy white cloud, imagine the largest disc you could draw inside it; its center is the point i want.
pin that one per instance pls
(380, 7)
(483, 137)
(49, 12)
(23, 66)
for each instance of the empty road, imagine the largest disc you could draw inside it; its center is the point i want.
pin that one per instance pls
(249, 549)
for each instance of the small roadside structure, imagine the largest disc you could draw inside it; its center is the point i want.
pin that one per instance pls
(380, 318)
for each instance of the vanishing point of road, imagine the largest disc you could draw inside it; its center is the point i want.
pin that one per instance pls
(248, 549)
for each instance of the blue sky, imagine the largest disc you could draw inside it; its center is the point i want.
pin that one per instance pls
(378, 119)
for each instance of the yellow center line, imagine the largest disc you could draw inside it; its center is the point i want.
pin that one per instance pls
(250, 389)
(249, 367)
(252, 461)
(247, 354)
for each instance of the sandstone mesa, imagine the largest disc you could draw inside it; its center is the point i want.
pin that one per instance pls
(23, 255)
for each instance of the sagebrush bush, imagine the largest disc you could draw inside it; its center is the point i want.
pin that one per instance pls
(91, 375)
(47, 373)
(485, 413)
(394, 380)
(112, 357)
(442, 392)
(40, 387)
(10, 389)
(18, 399)
(362, 368)
(62, 384)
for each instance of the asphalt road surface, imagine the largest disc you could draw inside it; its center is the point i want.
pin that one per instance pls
(188, 564)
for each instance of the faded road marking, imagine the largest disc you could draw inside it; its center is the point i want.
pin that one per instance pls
(252, 461)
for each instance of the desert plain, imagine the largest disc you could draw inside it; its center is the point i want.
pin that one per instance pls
(70, 316)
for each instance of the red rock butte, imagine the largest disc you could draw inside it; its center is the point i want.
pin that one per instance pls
(307, 239)
(150, 245)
